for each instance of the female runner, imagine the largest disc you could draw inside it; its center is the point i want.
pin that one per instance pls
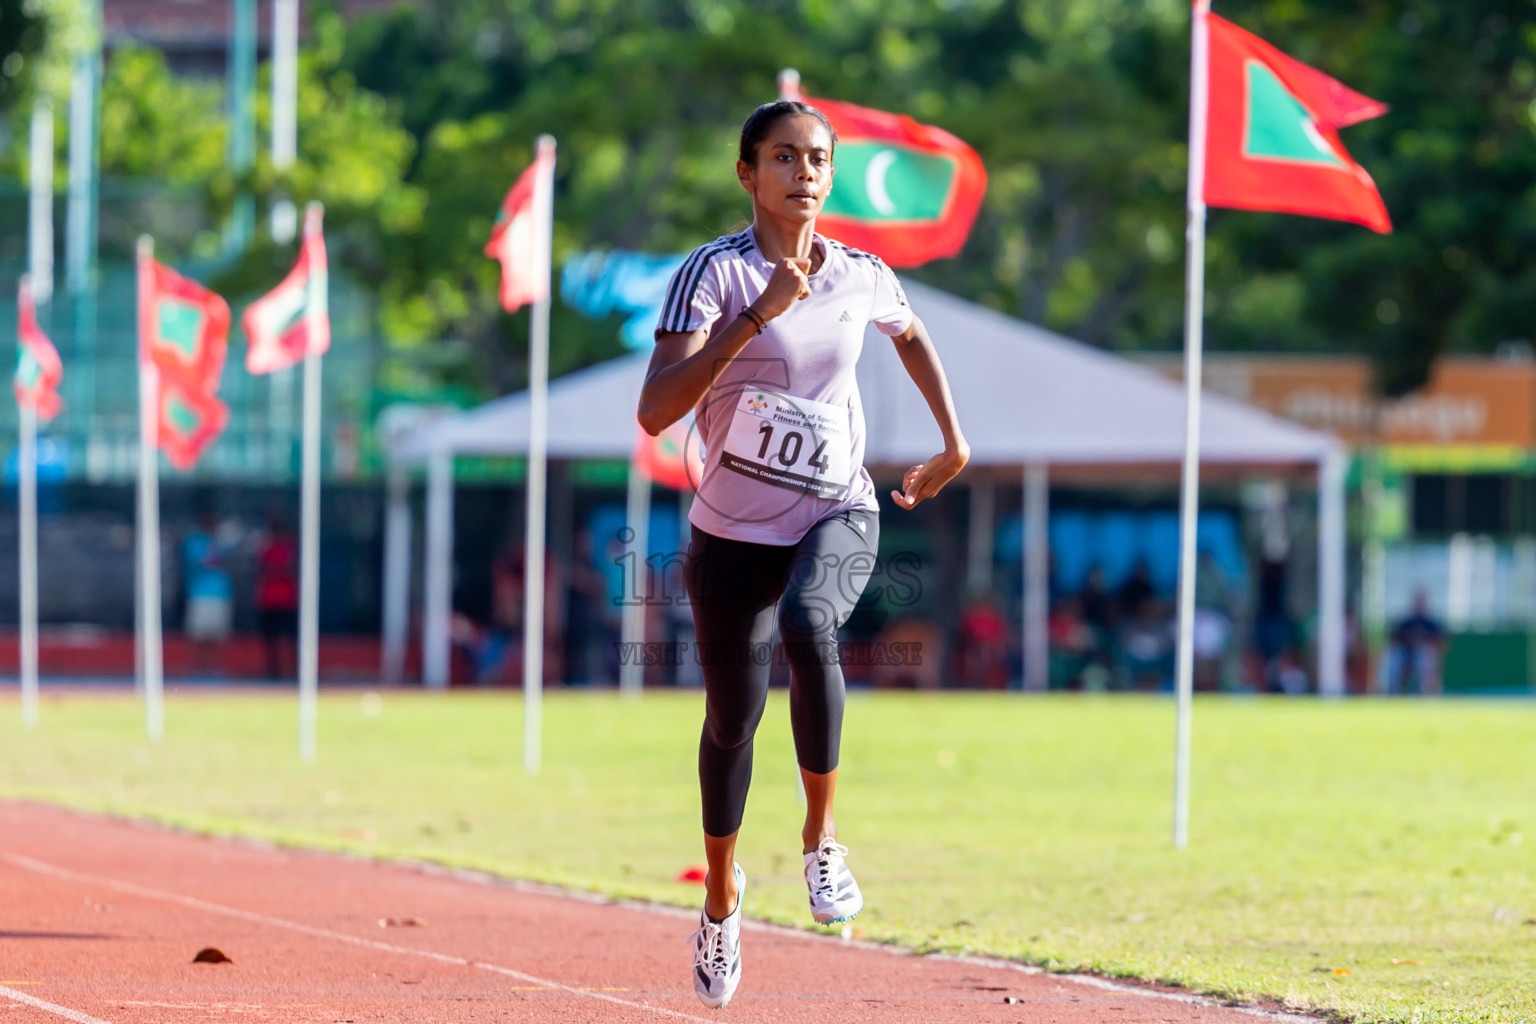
(759, 334)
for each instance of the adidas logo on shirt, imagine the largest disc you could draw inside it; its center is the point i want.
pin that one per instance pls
(845, 318)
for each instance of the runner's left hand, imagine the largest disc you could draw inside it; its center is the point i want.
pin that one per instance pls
(928, 478)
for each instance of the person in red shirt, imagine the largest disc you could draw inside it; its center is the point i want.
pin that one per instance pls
(277, 593)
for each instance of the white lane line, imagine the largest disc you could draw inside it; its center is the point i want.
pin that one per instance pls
(53, 1008)
(44, 868)
(1122, 988)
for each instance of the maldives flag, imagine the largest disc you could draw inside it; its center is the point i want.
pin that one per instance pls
(183, 327)
(190, 419)
(38, 370)
(292, 320)
(1272, 138)
(520, 240)
(905, 191)
(668, 459)
(183, 336)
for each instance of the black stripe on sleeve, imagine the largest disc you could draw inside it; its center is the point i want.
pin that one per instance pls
(676, 287)
(880, 267)
(901, 295)
(674, 315)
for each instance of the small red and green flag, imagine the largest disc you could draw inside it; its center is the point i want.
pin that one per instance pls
(905, 191)
(520, 239)
(183, 327)
(1272, 138)
(292, 320)
(190, 420)
(38, 369)
(183, 338)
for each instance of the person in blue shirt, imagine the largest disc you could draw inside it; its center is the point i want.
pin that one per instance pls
(205, 570)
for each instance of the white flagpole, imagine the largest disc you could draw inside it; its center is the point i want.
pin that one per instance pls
(309, 526)
(149, 518)
(27, 500)
(39, 284)
(538, 443)
(40, 214)
(789, 84)
(1189, 491)
(285, 99)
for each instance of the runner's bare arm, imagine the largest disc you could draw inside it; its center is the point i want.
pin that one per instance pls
(685, 364)
(922, 362)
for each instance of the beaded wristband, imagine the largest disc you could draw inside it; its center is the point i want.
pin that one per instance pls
(755, 317)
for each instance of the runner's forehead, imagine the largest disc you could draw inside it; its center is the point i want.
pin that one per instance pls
(799, 132)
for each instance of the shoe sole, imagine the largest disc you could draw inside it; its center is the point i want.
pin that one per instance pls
(841, 920)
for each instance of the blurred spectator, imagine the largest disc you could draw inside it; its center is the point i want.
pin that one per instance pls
(1136, 589)
(1413, 656)
(209, 594)
(277, 595)
(1073, 644)
(499, 658)
(1069, 631)
(981, 650)
(1148, 647)
(1213, 668)
(1098, 607)
(1273, 632)
(498, 648)
(909, 655)
(583, 603)
(1212, 629)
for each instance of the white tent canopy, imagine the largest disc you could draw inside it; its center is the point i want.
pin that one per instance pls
(1026, 397)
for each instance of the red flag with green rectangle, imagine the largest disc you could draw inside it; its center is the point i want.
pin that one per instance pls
(292, 320)
(183, 338)
(190, 421)
(1272, 139)
(38, 369)
(905, 191)
(185, 329)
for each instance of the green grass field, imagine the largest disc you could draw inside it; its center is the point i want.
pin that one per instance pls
(1366, 858)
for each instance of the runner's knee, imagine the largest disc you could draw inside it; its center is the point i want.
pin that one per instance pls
(807, 619)
(732, 728)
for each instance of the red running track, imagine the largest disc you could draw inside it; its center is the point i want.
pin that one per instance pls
(101, 919)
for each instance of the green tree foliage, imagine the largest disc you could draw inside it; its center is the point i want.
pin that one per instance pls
(414, 123)
(22, 32)
(157, 126)
(1077, 106)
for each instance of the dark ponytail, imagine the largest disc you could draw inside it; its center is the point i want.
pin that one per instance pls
(763, 118)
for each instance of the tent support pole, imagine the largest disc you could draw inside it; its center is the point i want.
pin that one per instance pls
(1037, 577)
(397, 575)
(1330, 574)
(439, 597)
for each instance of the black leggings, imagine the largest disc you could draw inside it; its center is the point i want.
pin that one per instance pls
(735, 588)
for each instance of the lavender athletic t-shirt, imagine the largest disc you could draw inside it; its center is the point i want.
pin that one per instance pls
(782, 427)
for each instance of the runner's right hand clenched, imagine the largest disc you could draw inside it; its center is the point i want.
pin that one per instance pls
(787, 286)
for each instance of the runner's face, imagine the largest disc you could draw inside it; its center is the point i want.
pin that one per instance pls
(793, 173)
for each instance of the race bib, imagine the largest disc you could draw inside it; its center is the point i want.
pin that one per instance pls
(790, 442)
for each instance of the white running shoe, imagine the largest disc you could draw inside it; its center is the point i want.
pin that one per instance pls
(835, 896)
(717, 953)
